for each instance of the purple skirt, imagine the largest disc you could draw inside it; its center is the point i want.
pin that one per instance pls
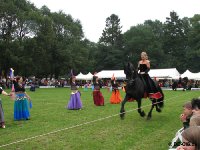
(75, 101)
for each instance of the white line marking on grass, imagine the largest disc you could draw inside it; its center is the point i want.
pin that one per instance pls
(89, 122)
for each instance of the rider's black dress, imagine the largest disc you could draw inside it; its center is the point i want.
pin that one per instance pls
(150, 86)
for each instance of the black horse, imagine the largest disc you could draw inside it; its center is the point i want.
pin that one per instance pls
(135, 89)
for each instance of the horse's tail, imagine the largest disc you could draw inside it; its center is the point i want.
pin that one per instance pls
(160, 100)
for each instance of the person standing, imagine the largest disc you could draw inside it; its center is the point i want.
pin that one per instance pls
(21, 104)
(2, 121)
(97, 95)
(115, 97)
(75, 102)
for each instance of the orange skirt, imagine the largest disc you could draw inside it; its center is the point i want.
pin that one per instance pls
(115, 97)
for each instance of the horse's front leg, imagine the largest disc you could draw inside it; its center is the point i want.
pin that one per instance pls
(158, 108)
(140, 111)
(150, 112)
(122, 110)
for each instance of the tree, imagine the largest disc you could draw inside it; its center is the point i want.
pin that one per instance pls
(175, 41)
(112, 34)
(193, 50)
(155, 50)
(110, 45)
(14, 27)
(145, 37)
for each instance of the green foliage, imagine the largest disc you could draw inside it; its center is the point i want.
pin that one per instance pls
(112, 34)
(110, 48)
(193, 52)
(43, 43)
(145, 37)
(175, 40)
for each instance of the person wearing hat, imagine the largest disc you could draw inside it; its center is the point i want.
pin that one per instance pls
(186, 115)
(75, 102)
(97, 95)
(115, 97)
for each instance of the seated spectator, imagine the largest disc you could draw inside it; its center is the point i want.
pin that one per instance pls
(191, 139)
(185, 118)
(195, 121)
(186, 115)
(196, 106)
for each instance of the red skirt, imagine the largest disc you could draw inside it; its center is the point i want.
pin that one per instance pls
(98, 98)
(155, 95)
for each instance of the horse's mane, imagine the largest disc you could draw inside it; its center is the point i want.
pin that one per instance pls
(130, 70)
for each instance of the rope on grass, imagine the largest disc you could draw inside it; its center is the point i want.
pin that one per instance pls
(89, 122)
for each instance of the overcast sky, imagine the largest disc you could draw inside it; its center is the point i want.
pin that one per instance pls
(93, 13)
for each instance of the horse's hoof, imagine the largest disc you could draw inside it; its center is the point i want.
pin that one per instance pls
(122, 117)
(122, 114)
(158, 110)
(148, 117)
(142, 114)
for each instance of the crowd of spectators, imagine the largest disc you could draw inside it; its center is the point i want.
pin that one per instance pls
(64, 82)
(36, 82)
(187, 85)
(188, 137)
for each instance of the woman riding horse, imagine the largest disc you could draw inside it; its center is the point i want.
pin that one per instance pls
(140, 86)
(150, 86)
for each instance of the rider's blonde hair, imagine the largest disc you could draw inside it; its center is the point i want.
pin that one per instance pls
(144, 54)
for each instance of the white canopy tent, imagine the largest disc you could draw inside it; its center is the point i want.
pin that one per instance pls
(81, 76)
(88, 76)
(197, 76)
(119, 74)
(170, 73)
(190, 75)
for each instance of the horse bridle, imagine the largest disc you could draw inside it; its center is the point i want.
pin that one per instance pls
(131, 80)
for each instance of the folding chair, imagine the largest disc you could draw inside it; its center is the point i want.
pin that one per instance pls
(177, 140)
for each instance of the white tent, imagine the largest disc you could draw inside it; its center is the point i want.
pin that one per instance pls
(197, 76)
(119, 74)
(88, 76)
(81, 76)
(171, 73)
(191, 75)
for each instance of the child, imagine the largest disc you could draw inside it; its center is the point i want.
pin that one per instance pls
(186, 115)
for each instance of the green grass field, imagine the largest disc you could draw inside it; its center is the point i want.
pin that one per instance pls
(52, 127)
